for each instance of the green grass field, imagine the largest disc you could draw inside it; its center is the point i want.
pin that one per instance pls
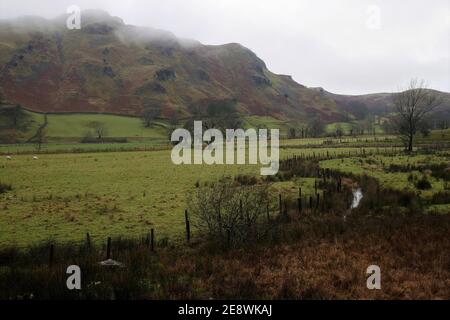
(101, 188)
(76, 147)
(107, 194)
(63, 196)
(376, 166)
(75, 126)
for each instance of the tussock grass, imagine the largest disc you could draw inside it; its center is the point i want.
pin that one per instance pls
(310, 257)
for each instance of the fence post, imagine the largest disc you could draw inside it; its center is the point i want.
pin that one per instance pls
(108, 249)
(318, 201)
(310, 202)
(268, 213)
(188, 226)
(299, 202)
(152, 240)
(88, 240)
(241, 212)
(281, 205)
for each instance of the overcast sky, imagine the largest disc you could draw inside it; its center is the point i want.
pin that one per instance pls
(347, 46)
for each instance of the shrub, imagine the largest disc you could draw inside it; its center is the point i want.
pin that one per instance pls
(229, 213)
(412, 178)
(423, 184)
(246, 180)
(5, 187)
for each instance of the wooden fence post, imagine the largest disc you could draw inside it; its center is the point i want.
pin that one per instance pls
(188, 226)
(281, 205)
(268, 213)
(318, 201)
(152, 240)
(108, 249)
(88, 240)
(241, 211)
(299, 202)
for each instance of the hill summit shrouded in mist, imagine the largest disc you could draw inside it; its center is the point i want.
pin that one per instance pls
(111, 67)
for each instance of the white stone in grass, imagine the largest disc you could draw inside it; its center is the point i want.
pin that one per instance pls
(111, 263)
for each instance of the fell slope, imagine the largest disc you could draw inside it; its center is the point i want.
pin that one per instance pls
(111, 67)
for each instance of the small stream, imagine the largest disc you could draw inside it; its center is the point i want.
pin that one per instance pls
(357, 197)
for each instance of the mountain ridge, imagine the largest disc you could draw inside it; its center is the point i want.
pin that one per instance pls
(109, 66)
(112, 67)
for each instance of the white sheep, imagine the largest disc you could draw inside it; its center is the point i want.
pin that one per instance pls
(8, 158)
(35, 158)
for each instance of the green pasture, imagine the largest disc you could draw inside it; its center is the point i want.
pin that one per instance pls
(377, 165)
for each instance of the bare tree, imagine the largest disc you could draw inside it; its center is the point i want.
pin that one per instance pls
(227, 212)
(339, 131)
(41, 135)
(368, 124)
(292, 134)
(17, 116)
(99, 129)
(149, 116)
(173, 123)
(316, 127)
(411, 106)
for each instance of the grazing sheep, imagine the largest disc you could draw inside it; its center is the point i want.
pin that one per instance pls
(35, 158)
(8, 158)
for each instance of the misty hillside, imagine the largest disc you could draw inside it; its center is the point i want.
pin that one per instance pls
(111, 67)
